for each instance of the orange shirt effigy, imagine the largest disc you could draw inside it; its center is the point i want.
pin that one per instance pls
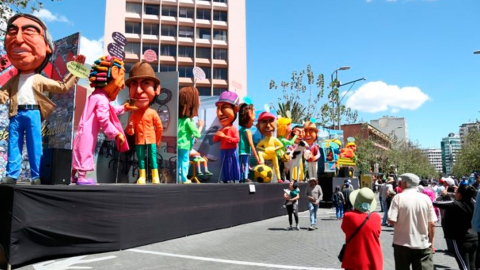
(148, 127)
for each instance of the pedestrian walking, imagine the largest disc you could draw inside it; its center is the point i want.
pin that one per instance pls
(292, 205)
(338, 202)
(314, 195)
(413, 218)
(347, 205)
(458, 225)
(363, 249)
(386, 191)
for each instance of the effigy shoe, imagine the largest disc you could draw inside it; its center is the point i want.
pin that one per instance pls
(7, 180)
(35, 181)
(85, 182)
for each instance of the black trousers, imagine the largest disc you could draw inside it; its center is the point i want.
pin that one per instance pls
(465, 254)
(292, 211)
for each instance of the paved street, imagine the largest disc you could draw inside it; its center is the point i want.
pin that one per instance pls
(260, 245)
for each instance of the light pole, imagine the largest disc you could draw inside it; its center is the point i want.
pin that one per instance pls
(476, 52)
(337, 86)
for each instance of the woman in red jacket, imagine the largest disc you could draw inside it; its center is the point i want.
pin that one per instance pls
(363, 251)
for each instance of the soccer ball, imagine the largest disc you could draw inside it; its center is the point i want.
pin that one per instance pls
(263, 174)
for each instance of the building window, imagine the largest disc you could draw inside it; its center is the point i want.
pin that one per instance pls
(154, 67)
(184, 51)
(167, 68)
(132, 28)
(185, 72)
(134, 8)
(220, 34)
(150, 29)
(220, 73)
(169, 11)
(133, 48)
(218, 91)
(220, 16)
(203, 33)
(147, 46)
(185, 31)
(128, 66)
(205, 0)
(169, 30)
(220, 1)
(204, 91)
(152, 9)
(184, 12)
(208, 72)
(203, 52)
(168, 50)
(220, 54)
(203, 14)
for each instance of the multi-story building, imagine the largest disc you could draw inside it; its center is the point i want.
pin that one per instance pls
(434, 156)
(394, 127)
(210, 34)
(467, 128)
(368, 132)
(450, 146)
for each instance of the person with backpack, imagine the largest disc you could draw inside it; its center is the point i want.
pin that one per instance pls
(338, 201)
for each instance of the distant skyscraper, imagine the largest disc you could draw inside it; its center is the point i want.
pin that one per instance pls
(450, 146)
(465, 129)
(395, 127)
(434, 156)
(210, 34)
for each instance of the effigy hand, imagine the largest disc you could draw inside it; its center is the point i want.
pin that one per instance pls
(120, 138)
(127, 107)
(80, 59)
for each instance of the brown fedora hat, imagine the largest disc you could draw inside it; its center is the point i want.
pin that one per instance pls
(142, 70)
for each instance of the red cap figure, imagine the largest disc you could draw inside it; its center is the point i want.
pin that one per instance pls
(267, 148)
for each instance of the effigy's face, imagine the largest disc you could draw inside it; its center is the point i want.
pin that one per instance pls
(225, 113)
(116, 84)
(300, 133)
(143, 91)
(25, 44)
(266, 127)
(310, 135)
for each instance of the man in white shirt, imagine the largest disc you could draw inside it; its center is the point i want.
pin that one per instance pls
(414, 218)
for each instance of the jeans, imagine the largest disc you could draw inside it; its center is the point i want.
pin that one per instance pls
(385, 212)
(339, 210)
(312, 208)
(27, 124)
(244, 164)
(183, 165)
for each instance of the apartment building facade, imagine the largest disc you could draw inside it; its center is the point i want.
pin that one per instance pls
(450, 146)
(434, 156)
(210, 34)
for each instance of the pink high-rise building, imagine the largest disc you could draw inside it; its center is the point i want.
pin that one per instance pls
(210, 34)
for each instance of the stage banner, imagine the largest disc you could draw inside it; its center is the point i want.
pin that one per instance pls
(112, 167)
(57, 131)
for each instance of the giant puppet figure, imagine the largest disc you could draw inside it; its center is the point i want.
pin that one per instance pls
(314, 154)
(268, 146)
(246, 118)
(29, 47)
(107, 77)
(188, 104)
(228, 136)
(284, 130)
(144, 122)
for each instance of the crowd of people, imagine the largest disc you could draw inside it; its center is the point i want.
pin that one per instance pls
(413, 207)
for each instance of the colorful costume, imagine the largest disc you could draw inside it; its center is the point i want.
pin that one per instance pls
(107, 76)
(29, 51)
(268, 146)
(311, 138)
(186, 130)
(246, 147)
(228, 153)
(228, 136)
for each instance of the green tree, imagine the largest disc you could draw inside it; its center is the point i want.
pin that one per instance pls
(294, 94)
(468, 158)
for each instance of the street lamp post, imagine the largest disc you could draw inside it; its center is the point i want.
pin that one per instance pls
(476, 52)
(336, 85)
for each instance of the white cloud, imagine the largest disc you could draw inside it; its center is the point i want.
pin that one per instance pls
(46, 15)
(378, 97)
(92, 49)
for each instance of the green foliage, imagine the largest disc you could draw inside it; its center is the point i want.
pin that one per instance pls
(294, 94)
(468, 158)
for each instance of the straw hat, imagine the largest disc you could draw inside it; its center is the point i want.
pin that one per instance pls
(363, 200)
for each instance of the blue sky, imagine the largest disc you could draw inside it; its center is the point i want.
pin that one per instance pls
(417, 55)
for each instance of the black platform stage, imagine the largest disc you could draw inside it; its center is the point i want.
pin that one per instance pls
(53, 221)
